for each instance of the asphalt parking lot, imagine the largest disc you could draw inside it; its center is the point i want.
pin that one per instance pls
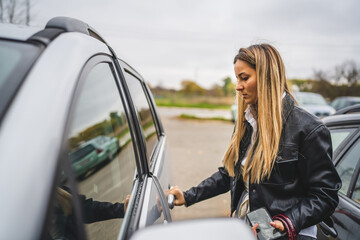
(197, 148)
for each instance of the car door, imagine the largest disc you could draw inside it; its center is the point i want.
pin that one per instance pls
(102, 201)
(155, 158)
(345, 221)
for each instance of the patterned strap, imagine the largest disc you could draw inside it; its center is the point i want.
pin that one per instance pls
(289, 227)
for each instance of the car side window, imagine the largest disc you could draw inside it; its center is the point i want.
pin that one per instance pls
(101, 153)
(62, 221)
(144, 112)
(347, 166)
(339, 135)
(356, 193)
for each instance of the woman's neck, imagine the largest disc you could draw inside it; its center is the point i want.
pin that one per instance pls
(254, 110)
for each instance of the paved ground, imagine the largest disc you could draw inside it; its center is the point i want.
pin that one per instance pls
(197, 148)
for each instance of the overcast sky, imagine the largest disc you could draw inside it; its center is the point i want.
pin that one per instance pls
(168, 41)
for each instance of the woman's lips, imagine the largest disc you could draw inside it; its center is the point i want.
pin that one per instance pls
(244, 95)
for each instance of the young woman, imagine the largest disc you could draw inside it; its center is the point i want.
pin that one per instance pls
(279, 156)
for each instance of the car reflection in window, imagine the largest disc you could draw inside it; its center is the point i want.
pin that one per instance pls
(63, 223)
(99, 121)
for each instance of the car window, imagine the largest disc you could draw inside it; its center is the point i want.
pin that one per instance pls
(347, 166)
(62, 222)
(144, 113)
(101, 154)
(339, 135)
(16, 58)
(356, 193)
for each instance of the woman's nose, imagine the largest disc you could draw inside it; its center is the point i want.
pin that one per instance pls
(239, 86)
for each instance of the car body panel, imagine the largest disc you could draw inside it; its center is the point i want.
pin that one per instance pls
(52, 101)
(345, 221)
(218, 228)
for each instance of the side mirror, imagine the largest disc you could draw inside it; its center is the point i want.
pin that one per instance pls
(217, 228)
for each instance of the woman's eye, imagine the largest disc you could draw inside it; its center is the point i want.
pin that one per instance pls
(244, 78)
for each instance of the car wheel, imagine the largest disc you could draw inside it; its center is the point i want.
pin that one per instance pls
(110, 156)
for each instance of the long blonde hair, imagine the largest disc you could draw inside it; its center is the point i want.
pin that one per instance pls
(271, 83)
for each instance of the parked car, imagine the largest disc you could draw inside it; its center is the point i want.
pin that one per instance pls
(349, 109)
(106, 147)
(314, 103)
(345, 135)
(83, 159)
(341, 102)
(60, 87)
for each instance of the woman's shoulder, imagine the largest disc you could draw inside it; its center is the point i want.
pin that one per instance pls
(301, 119)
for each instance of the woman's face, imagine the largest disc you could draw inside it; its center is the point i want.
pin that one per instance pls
(246, 81)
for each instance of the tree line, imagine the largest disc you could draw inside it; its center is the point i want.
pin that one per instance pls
(343, 80)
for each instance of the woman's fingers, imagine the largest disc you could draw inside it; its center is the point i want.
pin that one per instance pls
(179, 196)
(278, 225)
(253, 228)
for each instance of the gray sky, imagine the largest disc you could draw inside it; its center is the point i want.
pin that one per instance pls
(168, 41)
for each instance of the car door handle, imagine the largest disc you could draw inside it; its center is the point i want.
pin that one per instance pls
(171, 199)
(328, 230)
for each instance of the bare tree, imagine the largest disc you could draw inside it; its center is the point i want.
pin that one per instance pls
(15, 11)
(1, 11)
(349, 72)
(27, 12)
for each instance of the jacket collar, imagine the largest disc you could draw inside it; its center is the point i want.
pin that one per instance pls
(288, 105)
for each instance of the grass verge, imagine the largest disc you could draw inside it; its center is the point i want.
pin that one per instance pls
(192, 117)
(189, 104)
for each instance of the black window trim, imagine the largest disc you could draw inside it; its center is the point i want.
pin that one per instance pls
(140, 139)
(154, 113)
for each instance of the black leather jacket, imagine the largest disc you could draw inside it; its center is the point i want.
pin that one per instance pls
(303, 184)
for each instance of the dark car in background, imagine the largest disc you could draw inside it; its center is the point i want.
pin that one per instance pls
(349, 109)
(345, 101)
(60, 87)
(345, 135)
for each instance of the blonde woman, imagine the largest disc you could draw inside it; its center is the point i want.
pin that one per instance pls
(279, 156)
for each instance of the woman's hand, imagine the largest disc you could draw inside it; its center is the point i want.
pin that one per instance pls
(253, 228)
(278, 225)
(179, 196)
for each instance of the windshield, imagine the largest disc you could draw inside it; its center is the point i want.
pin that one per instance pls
(16, 58)
(81, 153)
(310, 99)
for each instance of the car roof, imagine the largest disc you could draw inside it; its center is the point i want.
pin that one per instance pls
(343, 119)
(17, 32)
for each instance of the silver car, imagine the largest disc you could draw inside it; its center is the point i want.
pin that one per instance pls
(314, 103)
(60, 87)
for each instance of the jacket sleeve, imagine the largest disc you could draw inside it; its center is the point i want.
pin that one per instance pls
(95, 211)
(320, 179)
(217, 184)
